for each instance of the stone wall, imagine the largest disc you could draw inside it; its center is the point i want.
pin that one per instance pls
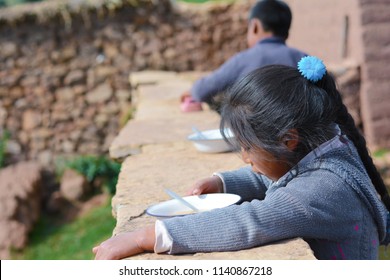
(329, 29)
(375, 93)
(64, 67)
(20, 204)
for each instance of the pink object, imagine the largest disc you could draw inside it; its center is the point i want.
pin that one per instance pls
(190, 105)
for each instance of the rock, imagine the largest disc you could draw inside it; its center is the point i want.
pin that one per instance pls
(31, 120)
(127, 48)
(21, 103)
(3, 116)
(16, 92)
(45, 158)
(13, 147)
(100, 94)
(111, 50)
(92, 146)
(30, 81)
(79, 89)
(74, 186)
(111, 108)
(68, 147)
(101, 120)
(67, 54)
(41, 134)
(113, 33)
(15, 236)
(75, 77)
(55, 202)
(123, 95)
(20, 204)
(8, 49)
(103, 72)
(65, 94)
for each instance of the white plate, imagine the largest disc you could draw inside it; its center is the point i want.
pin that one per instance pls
(204, 202)
(213, 141)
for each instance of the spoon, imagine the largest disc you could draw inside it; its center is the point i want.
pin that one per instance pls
(181, 200)
(198, 132)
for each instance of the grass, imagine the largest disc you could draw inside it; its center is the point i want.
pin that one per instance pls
(384, 254)
(380, 152)
(73, 241)
(3, 147)
(203, 1)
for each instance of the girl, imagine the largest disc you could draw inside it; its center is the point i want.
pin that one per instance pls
(310, 176)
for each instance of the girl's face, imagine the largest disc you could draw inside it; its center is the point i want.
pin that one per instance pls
(264, 163)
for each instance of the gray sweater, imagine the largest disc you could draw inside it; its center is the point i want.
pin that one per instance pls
(271, 50)
(327, 199)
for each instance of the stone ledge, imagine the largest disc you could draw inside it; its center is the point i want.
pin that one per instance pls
(294, 249)
(158, 118)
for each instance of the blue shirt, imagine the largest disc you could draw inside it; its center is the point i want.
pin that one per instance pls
(271, 50)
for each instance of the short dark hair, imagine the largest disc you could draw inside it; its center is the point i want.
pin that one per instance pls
(274, 15)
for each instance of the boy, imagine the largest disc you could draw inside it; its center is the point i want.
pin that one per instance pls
(268, 29)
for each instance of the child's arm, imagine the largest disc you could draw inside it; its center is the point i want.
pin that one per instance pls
(204, 89)
(246, 183)
(243, 182)
(126, 244)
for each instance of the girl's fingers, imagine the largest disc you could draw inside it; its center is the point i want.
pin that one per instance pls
(196, 191)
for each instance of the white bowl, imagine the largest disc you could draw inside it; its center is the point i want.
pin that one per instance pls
(211, 141)
(204, 202)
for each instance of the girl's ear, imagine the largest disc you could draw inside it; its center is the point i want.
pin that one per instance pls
(291, 139)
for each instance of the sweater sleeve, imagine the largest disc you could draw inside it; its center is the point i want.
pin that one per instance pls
(284, 213)
(237, 227)
(245, 183)
(205, 88)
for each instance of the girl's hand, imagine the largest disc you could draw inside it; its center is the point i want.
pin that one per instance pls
(126, 244)
(212, 184)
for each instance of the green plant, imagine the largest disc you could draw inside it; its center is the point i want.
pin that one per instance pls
(202, 1)
(380, 152)
(5, 3)
(96, 167)
(3, 147)
(50, 240)
(128, 115)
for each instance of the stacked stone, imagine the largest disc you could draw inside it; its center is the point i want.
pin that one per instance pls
(20, 206)
(375, 17)
(64, 76)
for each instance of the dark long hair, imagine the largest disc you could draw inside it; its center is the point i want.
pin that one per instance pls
(264, 106)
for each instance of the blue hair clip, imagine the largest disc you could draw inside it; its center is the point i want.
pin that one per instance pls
(312, 68)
